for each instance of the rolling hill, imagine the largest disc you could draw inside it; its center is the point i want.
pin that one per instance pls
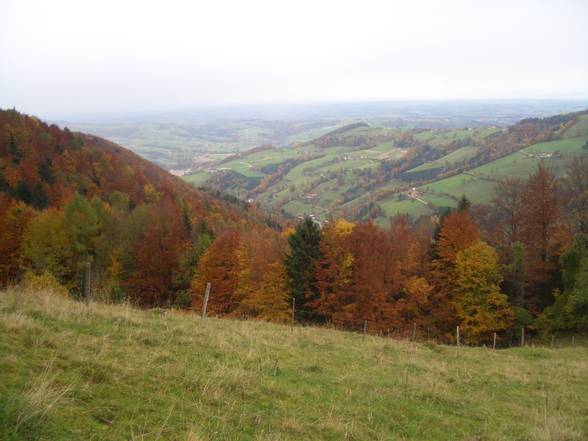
(104, 372)
(43, 166)
(478, 183)
(362, 171)
(73, 204)
(179, 140)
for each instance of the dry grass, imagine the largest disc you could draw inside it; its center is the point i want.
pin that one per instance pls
(40, 399)
(116, 373)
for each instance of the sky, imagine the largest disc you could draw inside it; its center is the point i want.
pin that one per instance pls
(63, 58)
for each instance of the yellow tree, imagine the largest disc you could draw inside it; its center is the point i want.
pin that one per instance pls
(45, 246)
(270, 301)
(480, 306)
(415, 305)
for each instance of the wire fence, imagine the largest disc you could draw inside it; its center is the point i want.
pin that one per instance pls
(521, 337)
(423, 333)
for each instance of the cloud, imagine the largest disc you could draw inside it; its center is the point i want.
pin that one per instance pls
(69, 57)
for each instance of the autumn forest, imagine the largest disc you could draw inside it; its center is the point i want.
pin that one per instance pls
(69, 199)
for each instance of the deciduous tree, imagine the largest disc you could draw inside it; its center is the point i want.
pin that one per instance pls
(569, 312)
(480, 306)
(155, 257)
(542, 234)
(46, 247)
(270, 301)
(370, 281)
(333, 271)
(218, 266)
(457, 232)
(14, 220)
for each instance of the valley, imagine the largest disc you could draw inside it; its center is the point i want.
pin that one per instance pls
(364, 171)
(192, 138)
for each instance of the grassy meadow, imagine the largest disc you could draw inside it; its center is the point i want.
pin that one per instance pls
(458, 155)
(478, 184)
(100, 372)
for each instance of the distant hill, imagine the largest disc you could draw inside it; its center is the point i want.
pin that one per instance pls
(178, 140)
(366, 172)
(346, 128)
(43, 166)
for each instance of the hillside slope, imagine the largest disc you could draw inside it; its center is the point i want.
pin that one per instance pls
(365, 172)
(43, 166)
(70, 201)
(478, 183)
(100, 372)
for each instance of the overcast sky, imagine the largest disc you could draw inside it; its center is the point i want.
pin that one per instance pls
(63, 58)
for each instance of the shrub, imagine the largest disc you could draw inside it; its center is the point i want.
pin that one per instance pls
(44, 282)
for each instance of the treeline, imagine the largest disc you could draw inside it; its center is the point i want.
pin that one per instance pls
(347, 136)
(521, 261)
(68, 199)
(148, 254)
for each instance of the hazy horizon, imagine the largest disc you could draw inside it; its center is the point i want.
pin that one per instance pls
(356, 110)
(67, 59)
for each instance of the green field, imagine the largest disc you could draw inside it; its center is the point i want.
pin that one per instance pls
(393, 207)
(458, 155)
(519, 164)
(198, 179)
(438, 138)
(337, 174)
(72, 372)
(578, 129)
(250, 164)
(478, 184)
(175, 143)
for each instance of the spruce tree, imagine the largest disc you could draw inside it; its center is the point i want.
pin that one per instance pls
(300, 262)
(14, 151)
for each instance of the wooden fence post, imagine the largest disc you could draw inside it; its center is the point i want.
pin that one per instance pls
(494, 342)
(573, 340)
(457, 335)
(414, 329)
(365, 326)
(522, 337)
(88, 283)
(552, 338)
(293, 309)
(205, 302)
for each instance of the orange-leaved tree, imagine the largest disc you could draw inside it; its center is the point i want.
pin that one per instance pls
(543, 235)
(414, 307)
(370, 279)
(155, 257)
(458, 231)
(333, 271)
(13, 222)
(219, 266)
